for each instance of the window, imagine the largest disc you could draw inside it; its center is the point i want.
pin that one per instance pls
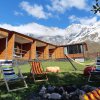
(72, 49)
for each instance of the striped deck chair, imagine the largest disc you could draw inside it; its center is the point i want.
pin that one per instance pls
(37, 71)
(95, 75)
(9, 75)
(93, 95)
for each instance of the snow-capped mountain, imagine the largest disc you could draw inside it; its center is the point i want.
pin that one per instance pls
(76, 33)
(90, 33)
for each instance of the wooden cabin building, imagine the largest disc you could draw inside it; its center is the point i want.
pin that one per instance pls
(14, 45)
(75, 51)
(22, 47)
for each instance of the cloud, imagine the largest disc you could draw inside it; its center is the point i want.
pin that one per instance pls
(98, 14)
(73, 18)
(35, 29)
(35, 10)
(62, 5)
(18, 13)
(84, 20)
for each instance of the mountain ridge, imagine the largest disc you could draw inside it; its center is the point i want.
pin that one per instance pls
(75, 33)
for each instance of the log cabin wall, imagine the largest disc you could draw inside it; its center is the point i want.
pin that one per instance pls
(59, 53)
(78, 55)
(33, 50)
(76, 50)
(10, 46)
(62, 52)
(46, 52)
(3, 48)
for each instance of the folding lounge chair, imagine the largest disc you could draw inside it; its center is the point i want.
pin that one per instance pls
(95, 75)
(9, 75)
(37, 71)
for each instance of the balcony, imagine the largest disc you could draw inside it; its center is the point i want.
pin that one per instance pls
(19, 53)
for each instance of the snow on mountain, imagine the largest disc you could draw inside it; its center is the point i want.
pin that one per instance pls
(90, 33)
(76, 33)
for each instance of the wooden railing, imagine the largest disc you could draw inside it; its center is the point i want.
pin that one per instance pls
(41, 55)
(19, 53)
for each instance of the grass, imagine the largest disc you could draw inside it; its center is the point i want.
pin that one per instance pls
(67, 76)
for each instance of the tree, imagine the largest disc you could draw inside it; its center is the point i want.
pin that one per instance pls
(96, 7)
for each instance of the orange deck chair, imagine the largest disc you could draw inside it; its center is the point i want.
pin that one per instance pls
(37, 71)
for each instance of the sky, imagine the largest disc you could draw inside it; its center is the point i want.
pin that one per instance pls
(41, 16)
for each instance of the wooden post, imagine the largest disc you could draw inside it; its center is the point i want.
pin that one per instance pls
(59, 52)
(46, 52)
(33, 50)
(56, 56)
(6, 48)
(10, 46)
(83, 51)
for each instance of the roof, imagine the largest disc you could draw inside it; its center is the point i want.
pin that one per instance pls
(74, 44)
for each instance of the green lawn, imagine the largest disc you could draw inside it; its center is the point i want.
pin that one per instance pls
(67, 76)
(65, 66)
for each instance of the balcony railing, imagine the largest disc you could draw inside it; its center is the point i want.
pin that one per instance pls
(19, 53)
(41, 55)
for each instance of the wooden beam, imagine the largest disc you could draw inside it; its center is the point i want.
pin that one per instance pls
(33, 50)
(46, 52)
(22, 39)
(10, 46)
(3, 33)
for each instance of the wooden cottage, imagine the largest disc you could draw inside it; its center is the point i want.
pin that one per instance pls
(14, 45)
(75, 51)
